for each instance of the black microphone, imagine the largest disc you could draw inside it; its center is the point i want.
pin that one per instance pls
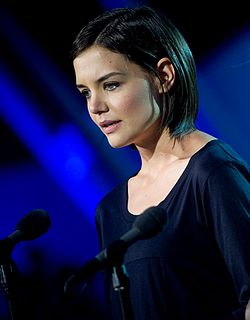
(31, 226)
(146, 225)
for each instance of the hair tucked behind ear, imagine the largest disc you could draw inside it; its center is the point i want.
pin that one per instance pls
(145, 36)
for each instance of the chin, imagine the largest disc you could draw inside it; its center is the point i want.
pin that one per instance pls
(118, 144)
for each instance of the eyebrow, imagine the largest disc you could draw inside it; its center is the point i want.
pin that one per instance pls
(102, 78)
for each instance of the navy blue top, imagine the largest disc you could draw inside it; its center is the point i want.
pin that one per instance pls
(198, 266)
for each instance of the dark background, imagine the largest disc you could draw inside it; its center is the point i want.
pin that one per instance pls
(53, 158)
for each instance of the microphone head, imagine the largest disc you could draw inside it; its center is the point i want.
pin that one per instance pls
(34, 224)
(150, 222)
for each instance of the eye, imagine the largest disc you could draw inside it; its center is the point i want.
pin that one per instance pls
(110, 86)
(85, 93)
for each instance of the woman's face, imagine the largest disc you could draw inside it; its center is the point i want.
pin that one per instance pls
(119, 96)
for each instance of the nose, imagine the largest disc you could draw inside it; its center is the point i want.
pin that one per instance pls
(97, 104)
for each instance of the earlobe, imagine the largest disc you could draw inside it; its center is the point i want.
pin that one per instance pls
(166, 73)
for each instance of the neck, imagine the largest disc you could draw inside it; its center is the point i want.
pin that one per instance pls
(165, 150)
(159, 151)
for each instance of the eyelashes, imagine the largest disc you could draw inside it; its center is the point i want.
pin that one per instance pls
(109, 86)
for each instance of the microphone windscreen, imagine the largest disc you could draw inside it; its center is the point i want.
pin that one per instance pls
(34, 224)
(150, 222)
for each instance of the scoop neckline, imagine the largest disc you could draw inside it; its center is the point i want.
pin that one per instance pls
(129, 216)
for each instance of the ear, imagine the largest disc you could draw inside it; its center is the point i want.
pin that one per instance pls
(167, 74)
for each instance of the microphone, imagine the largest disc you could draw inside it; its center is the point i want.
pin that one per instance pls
(31, 226)
(146, 225)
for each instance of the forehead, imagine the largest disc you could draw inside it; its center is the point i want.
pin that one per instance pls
(95, 62)
(96, 56)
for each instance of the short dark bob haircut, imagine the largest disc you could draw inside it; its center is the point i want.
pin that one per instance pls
(145, 36)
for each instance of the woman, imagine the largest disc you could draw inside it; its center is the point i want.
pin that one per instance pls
(138, 76)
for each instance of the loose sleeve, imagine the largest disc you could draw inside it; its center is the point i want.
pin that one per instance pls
(227, 207)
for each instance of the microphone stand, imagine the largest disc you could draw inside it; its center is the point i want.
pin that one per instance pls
(120, 282)
(6, 269)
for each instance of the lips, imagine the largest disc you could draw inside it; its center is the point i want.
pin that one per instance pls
(109, 126)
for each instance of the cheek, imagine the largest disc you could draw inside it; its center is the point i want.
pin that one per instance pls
(135, 102)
